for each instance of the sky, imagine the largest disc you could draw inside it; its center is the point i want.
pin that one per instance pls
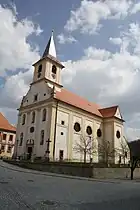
(97, 41)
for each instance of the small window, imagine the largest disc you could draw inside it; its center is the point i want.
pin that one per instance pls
(23, 119)
(33, 117)
(4, 136)
(2, 148)
(62, 122)
(21, 139)
(118, 135)
(11, 138)
(89, 130)
(62, 133)
(35, 97)
(40, 68)
(99, 133)
(77, 127)
(125, 154)
(9, 150)
(44, 115)
(54, 69)
(31, 129)
(42, 138)
(61, 154)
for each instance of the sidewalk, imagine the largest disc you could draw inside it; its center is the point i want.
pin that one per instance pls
(24, 170)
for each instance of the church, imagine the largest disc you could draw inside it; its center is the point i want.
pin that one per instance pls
(57, 124)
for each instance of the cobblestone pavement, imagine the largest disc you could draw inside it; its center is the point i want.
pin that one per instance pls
(21, 190)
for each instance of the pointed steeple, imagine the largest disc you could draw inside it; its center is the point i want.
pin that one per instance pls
(50, 48)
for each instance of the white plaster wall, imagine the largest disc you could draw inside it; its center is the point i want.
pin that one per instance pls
(39, 88)
(109, 136)
(118, 142)
(61, 142)
(48, 73)
(98, 140)
(42, 125)
(22, 129)
(94, 154)
(76, 137)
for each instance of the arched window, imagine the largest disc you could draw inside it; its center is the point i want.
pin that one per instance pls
(33, 117)
(42, 137)
(39, 70)
(23, 119)
(21, 139)
(54, 69)
(44, 115)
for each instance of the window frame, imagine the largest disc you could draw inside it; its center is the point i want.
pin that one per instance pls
(54, 69)
(23, 119)
(10, 137)
(42, 134)
(44, 113)
(33, 117)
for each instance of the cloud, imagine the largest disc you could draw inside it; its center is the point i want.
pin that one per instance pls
(62, 39)
(16, 57)
(110, 78)
(15, 50)
(135, 8)
(87, 18)
(116, 41)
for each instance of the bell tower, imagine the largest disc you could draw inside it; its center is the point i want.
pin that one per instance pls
(48, 67)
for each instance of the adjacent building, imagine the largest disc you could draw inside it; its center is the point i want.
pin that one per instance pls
(53, 122)
(7, 138)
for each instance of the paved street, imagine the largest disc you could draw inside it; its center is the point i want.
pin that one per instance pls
(25, 190)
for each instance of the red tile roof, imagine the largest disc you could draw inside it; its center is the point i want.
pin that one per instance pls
(79, 102)
(5, 125)
(109, 111)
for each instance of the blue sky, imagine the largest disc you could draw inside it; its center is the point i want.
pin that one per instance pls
(98, 41)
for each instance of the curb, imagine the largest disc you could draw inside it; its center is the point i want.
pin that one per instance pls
(58, 175)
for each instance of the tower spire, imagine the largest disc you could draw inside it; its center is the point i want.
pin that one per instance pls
(50, 48)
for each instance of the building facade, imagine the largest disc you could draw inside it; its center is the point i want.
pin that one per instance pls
(7, 138)
(56, 123)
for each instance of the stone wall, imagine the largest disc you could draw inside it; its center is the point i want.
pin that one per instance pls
(83, 170)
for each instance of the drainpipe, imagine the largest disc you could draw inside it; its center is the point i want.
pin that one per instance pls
(55, 126)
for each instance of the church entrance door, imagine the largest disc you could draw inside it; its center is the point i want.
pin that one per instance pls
(29, 150)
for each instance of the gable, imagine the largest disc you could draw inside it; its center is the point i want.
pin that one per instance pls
(118, 114)
(40, 89)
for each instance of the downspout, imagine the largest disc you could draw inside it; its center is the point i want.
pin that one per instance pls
(55, 126)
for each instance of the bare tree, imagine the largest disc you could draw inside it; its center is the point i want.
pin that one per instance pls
(123, 150)
(106, 151)
(134, 155)
(85, 146)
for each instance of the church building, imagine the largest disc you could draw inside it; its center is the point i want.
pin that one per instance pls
(57, 124)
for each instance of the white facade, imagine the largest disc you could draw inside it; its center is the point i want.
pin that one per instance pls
(46, 126)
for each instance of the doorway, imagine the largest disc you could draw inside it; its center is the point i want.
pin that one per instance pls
(61, 154)
(29, 150)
